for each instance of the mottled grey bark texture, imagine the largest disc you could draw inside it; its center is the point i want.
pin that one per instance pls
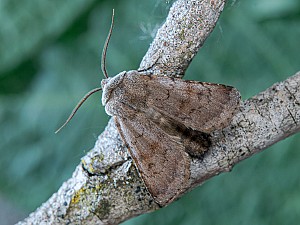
(187, 26)
(106, 188)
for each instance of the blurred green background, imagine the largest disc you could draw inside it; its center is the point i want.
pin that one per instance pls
(50, 57)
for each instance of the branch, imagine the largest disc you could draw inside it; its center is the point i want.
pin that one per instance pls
(187, 26)
(107, 189)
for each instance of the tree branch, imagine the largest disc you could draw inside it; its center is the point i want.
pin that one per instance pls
(106, 188)
(187, 26)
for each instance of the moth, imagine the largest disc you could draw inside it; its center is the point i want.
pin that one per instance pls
(164, 122)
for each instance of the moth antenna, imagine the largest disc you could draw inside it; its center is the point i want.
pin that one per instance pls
(103, 58)
(78, 106)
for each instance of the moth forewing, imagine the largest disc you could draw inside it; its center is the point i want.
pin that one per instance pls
(164, 121)
(201, 106)
(161, 161)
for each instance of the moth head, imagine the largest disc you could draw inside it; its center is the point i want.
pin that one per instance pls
(109, 84)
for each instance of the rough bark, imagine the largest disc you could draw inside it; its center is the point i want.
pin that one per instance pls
(106, 188)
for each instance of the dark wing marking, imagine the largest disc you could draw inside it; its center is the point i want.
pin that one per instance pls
(160, 158)
(201, 106)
